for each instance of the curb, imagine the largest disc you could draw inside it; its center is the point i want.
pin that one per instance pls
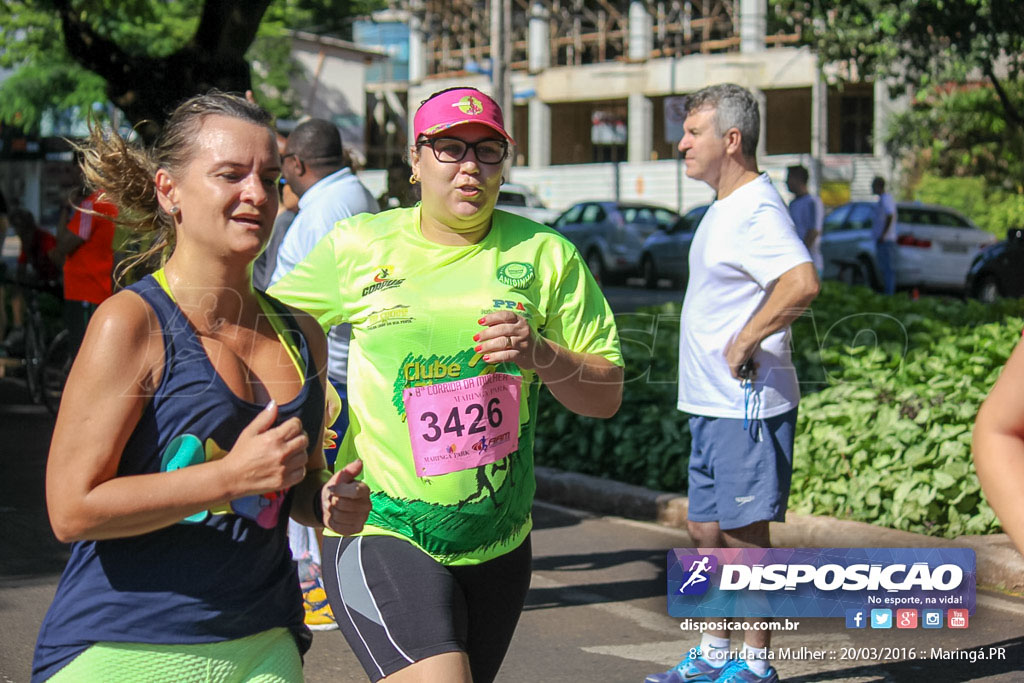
(999, 567)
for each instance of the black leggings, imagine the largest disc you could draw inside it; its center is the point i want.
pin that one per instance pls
(396, 605)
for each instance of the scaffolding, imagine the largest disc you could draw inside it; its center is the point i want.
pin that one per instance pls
(457, 32)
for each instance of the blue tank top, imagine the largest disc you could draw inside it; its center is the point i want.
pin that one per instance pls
(218, 575)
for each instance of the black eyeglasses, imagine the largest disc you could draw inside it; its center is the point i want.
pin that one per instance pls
(453, 150)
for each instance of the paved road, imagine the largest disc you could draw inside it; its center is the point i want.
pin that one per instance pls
(596, 610)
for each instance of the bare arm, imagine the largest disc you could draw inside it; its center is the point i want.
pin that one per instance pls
(999, 447)
(584, 383)
(67, 243)
(109, 386)
(810, 238)
(793, 292)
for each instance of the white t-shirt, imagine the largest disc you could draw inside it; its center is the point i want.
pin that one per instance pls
(741, 247)
(885, 207)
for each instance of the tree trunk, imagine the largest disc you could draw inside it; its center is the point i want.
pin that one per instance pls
(147, 89)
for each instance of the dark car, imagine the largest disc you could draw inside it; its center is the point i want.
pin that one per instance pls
(998, 270)
(666, 253)
(610, 235)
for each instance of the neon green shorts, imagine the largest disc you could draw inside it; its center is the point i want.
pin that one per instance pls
(268, 657)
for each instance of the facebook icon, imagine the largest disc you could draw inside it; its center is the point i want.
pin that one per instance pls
(856, 618)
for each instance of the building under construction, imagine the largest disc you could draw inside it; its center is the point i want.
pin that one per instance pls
(597, 81)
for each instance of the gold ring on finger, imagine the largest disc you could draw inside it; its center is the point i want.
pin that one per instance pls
(510, 344)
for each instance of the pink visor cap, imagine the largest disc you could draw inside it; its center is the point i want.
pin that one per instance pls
(456, 107)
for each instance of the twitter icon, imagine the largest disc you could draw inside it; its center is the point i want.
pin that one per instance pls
(881, 618)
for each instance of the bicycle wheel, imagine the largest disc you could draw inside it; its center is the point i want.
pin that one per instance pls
(33, 361)
(56, 366)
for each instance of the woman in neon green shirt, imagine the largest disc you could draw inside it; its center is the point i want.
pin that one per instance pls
(458, 313)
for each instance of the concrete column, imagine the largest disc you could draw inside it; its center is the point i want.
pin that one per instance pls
(885, 108)
(819, 131)
(417, 48)
(641, 32)
(539, 117)
(539, 42)
(640, 135)
(753, 25)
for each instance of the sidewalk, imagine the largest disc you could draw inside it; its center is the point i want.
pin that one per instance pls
(1000, 566)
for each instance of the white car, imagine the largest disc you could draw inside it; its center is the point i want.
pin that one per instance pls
(935, 245)
(519, 199)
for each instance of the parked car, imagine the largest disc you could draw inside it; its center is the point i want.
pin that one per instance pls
(519, 199)
(999, 269)
(610, 235)
(935, 245)
(666, 253)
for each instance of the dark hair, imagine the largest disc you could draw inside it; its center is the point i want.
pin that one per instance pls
(318, 143)
(125, 172)
(734, 107)
(798, 173)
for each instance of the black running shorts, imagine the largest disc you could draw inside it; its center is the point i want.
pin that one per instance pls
(396, 605)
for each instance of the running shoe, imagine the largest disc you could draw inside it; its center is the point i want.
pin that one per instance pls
(319, 616)
(737, 671)
(690, 670)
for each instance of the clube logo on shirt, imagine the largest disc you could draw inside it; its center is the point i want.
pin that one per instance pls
(382, 279)
(516, 274)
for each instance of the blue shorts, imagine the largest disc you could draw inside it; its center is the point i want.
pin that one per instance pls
(737, 475)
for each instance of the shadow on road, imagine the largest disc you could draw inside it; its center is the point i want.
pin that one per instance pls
(934, 669)
(29, 547)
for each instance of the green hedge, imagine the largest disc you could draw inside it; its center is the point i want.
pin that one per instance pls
(891, 387)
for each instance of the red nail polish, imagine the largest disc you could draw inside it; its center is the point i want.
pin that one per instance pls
(481, 321)
(477, 348)
(476, 337)
(487, 359)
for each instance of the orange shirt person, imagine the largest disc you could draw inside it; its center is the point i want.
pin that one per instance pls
(86, 246)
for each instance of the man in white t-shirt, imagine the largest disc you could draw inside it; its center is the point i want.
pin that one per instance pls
(750, 277)
(884, 232)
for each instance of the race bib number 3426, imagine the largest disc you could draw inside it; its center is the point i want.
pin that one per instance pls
(463, 424)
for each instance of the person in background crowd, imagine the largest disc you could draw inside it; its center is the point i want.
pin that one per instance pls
(190, 428)
(750, 277)
(34, 267)
(450, 301)
(85, 248)
(884, 233)
(807, 212)
(314, 166)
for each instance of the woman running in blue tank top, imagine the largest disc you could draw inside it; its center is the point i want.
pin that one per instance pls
(191, 427)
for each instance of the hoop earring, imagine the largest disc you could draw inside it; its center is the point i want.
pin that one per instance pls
(413, 179)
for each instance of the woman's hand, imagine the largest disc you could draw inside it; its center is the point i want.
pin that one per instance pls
(345, 501)
(268, 458)
(508, 337)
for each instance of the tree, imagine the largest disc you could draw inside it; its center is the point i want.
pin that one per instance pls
(959, 131)
(915, 44)
(145, 56)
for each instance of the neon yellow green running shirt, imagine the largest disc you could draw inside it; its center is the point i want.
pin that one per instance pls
(414, 307)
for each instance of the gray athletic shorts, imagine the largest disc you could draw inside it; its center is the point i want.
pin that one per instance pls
(740, 475)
